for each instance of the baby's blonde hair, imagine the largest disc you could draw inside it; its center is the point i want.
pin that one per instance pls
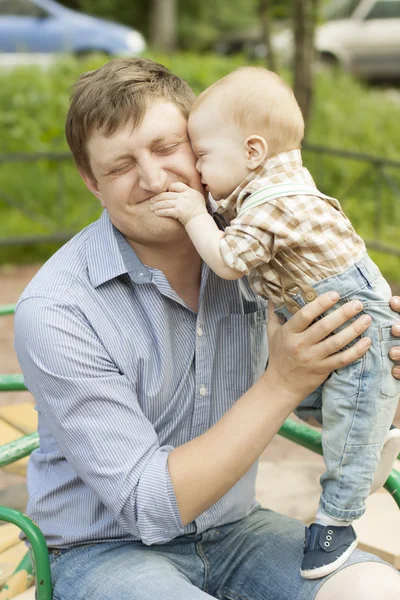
(260, 103)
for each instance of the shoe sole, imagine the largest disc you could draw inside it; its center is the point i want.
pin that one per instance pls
(319, 572)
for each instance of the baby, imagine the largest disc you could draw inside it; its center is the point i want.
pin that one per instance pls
(294, 243)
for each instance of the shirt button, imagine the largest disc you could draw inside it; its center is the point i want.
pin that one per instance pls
(295, 309)
(310, 296)
(199, 331)
(203, 390)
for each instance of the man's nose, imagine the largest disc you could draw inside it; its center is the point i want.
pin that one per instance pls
(152, 178)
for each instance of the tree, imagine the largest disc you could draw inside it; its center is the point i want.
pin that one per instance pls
(265, 18)
(304, 19)
(162, 29)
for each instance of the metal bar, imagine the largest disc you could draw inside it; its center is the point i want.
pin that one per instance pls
(311, 439)
(12, 383)
(382, 248)
(393, 486)
(349, 154)
(7, 309)
(34, 156)
(301, 434)
(18, 449)
(61, 236)
(39, 549)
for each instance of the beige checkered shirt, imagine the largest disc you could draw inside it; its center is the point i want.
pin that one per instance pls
(309, 236)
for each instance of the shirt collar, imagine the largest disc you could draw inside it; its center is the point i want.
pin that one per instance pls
(109, 255)
(283, 161)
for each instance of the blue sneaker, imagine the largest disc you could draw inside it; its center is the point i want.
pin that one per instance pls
(326, 548)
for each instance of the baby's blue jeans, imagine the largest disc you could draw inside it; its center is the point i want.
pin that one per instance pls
(356, 404)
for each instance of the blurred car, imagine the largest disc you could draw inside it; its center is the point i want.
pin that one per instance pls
(362, 36)
(44, 26)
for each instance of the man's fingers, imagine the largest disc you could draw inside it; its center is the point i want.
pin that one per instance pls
(342, 359)
(325, 326)
(178, 186)
(339, 340)
(303, 319)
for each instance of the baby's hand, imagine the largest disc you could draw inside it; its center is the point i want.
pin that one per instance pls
(180, 202)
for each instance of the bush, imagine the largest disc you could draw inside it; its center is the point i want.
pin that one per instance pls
(33, 105)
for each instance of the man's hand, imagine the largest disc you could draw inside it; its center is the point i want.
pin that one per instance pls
(303, 353)
(394, 353)
(180, 202)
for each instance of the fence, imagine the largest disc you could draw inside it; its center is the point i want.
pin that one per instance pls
(373, 187)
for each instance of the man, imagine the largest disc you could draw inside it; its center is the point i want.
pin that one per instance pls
(149, 433)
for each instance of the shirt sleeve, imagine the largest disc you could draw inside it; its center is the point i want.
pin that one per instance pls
(94, 415)
(255, 237)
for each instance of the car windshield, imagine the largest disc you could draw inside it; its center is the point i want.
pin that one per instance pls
(340, 9)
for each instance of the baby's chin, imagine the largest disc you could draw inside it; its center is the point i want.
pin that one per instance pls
(218, 196)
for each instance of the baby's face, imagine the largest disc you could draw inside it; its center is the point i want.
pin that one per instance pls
(219, 148)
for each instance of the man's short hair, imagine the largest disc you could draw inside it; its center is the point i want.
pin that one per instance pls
(115, 94)
(260, 103)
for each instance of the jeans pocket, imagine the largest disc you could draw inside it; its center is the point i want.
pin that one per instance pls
(390, 387)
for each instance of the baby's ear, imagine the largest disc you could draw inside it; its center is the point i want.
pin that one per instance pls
(256, 151)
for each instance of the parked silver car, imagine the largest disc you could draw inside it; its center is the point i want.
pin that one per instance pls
(363, 36)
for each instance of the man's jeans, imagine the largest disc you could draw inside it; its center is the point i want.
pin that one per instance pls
(357, 403)
(257, 558)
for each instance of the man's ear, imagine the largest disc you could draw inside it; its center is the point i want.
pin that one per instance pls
(92, 186)
(256, 151)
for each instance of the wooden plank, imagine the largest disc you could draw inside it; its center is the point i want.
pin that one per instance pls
(9, 536)
(21, 579)
(21, 416)
(378, 530)
(9, 559)
(28, 595)
(9, 433)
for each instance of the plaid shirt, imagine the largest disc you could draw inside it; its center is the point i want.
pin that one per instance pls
(309, 236)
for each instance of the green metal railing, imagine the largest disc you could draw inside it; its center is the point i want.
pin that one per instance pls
(379, 176)
(39, 552)
(7, 309)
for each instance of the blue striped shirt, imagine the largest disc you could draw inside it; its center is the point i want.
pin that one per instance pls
(123, 371)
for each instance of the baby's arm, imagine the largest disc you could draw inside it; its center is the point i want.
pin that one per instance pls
(188, 206)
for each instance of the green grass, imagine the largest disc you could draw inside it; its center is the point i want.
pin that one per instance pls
(347, 114)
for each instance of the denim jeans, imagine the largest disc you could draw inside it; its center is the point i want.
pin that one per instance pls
(257, 558)
(356, 404)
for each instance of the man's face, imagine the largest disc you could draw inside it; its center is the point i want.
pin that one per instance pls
(219, 148)
(133, 165)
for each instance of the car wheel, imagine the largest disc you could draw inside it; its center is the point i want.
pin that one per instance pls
(89, 52)
(328, 60)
